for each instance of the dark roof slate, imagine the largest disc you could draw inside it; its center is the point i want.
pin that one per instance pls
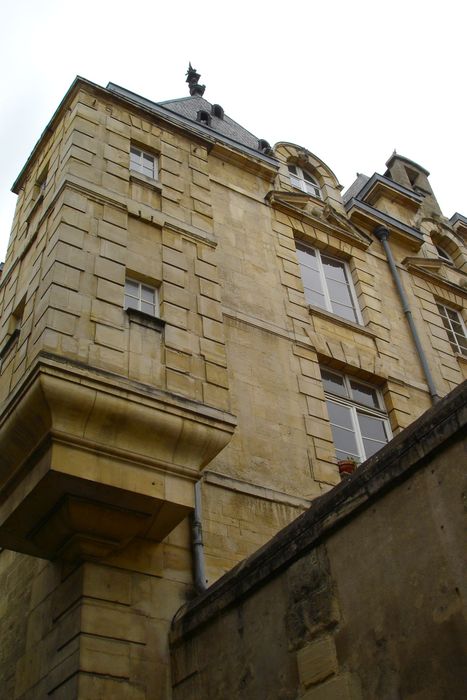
(189, 107)
(356, 186)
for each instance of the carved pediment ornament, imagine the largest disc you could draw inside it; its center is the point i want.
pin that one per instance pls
(333, 216)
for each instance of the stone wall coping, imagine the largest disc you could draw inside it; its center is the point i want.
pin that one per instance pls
(404, 455)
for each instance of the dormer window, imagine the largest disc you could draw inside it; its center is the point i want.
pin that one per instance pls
(304, 181)
(203, 117)
(443, 254)
(217, 111)
(264, 146)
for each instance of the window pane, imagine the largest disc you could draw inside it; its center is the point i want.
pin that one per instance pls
(292, 169)
(452, 338)
(339, 415)
(342, 429)
(311, 277)
(339, 292)
(313, 287)
(311, 189)
(132, 287)
(333, 269)
(147, 294)
(453, 315)
(308, 178)
(371, 447)
(334, 383)
(307, 257)
(131, 302)
(457, 327)
(374, 434)
(364, 394)
(372, 427)
(344, 441)
(147, 308)
(345, 312)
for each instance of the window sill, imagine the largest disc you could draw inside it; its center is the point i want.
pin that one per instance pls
(144, 319)
(141, 179)
(322, 313)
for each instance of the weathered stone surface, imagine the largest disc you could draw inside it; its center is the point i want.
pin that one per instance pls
(360, 596)
(87, 468)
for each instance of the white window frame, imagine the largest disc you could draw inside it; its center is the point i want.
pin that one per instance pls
(447, 323)
(138, 297)
(137, 156)
(327, 298)
(355, 408)
(303, 180)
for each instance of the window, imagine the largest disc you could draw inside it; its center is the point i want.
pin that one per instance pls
(203, 117)
(328, 283)
(443, 254)
(303, 181)
(141, 297)
(143, 162)
(217, 111)
(358, 420)
(264, 147)
(455, 328)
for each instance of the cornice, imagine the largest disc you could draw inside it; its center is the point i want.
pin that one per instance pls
(265, 163)
(423, 268)
(372, 216)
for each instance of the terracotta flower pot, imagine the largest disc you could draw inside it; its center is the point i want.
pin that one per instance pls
(346, 467)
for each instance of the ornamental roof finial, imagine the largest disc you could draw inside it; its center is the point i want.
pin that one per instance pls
(192, 77)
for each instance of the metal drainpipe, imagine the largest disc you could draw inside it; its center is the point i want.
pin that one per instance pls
(382, 234)
(197, 540)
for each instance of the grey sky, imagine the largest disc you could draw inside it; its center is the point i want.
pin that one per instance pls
(348, 81)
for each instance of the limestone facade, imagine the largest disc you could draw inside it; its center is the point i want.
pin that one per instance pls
(110, 413)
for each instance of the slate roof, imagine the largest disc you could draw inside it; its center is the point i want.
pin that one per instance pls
(189, 107)
(356, 186)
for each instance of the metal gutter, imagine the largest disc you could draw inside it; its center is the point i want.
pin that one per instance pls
(199, 569)
(382, 234)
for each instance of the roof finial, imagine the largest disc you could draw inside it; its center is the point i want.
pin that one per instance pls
(192, 79)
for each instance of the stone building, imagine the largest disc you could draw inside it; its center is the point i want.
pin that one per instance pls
(192, 320)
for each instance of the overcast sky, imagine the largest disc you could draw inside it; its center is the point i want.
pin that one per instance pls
(350, 81)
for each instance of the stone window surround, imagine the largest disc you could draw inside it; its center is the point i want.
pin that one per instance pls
(138, 157)
(358, 322)
(134, 290)
(455, 343)
(303, 180)
(357, 408)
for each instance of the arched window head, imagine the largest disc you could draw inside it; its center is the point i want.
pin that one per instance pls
(304, 181)
(203, 117)
(217, 111)
(443, 254)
